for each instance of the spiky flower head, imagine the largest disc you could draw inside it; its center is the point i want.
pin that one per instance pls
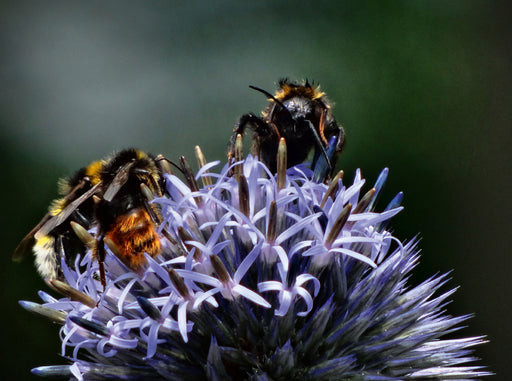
(262, 278)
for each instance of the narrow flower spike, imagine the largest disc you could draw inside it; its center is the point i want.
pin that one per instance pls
(201, 161)
(261, 278)
(281, 164)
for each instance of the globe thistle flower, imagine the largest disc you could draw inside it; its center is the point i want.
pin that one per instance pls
(262, 277)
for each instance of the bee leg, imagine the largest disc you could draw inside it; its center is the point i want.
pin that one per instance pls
(100, 254)
(265, 139)
(336, 137)
(82, 220)
(333, 129)
(323, 167)
(152, 209)
(258, 125)
(320, 150)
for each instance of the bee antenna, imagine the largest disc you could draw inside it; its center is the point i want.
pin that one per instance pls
(275, 100)
(269, 96)
(178, 167)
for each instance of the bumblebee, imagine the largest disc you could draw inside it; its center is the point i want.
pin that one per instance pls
(106, 194)
(301, 114)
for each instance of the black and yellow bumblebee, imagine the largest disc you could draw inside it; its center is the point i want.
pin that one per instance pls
(107, 194)
(301, 114)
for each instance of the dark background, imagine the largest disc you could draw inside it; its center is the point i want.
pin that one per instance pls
(422, 87)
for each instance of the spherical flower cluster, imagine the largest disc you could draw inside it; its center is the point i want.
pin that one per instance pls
(261, 278)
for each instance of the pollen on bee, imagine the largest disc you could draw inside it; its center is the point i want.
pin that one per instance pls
(135, 234)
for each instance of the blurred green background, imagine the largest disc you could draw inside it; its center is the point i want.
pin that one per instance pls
(421, 87)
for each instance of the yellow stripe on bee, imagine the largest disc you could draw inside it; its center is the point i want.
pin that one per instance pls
(288, 92)
(45, 241)
(93, 171)
(47, 261)
(57, 206)
(141, 154)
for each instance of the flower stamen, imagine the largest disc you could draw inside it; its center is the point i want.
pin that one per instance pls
(332, 189)
(220, 269)
(179, 284)
(281, 164)
(201, 161)
(338, 225)
(243, 195)
(71, 292)
(272, 222)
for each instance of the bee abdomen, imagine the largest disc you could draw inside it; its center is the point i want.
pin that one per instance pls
(135, 234)
(47, 259)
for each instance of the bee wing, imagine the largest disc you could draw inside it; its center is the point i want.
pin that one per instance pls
(28, 241)
(58, 219)
(119, 180)
(50, 222)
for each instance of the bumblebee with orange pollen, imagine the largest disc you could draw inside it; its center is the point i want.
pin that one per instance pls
(112, 195)
(301, 114)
